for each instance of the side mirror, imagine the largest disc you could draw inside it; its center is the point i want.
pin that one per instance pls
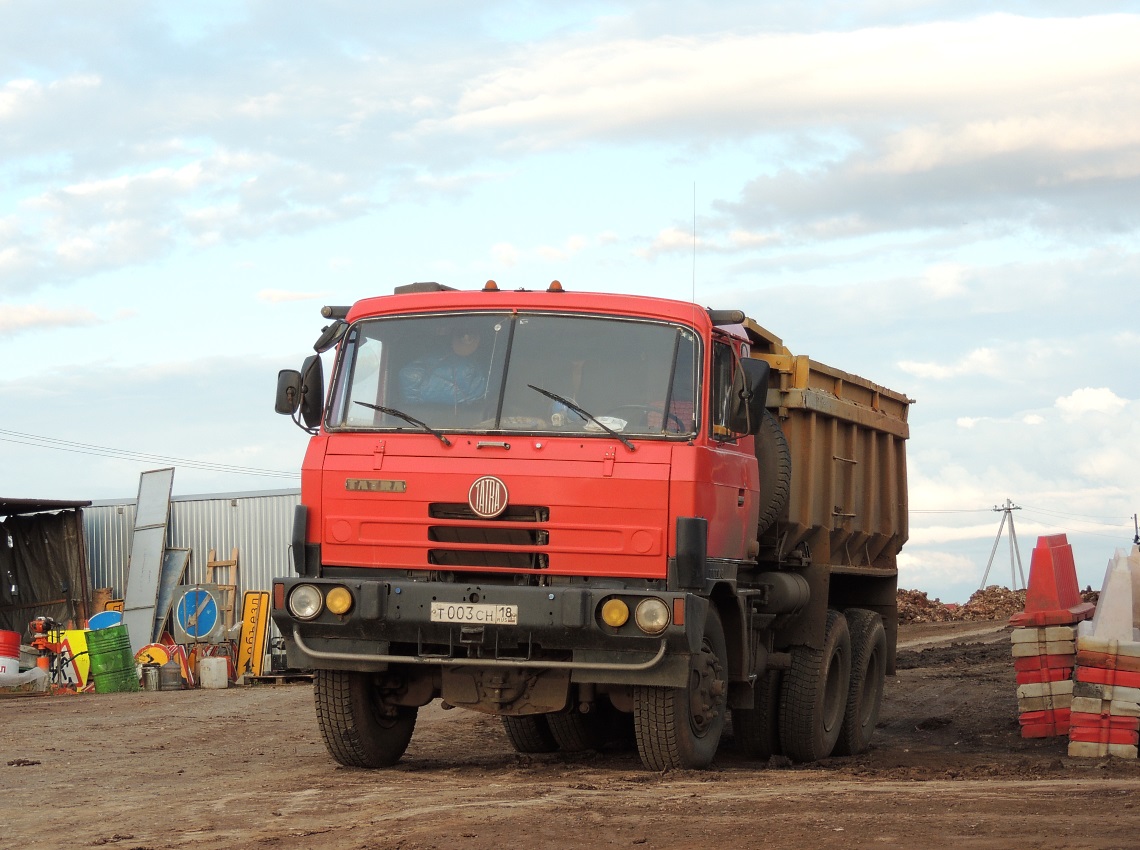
(288, 391)
(312, 391)
(756, 378)
(330, 336)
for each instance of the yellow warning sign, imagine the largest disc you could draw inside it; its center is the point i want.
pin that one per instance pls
(254, 631)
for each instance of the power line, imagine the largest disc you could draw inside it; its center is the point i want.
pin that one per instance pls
(1080, 530)
(951, 510)
(138, 457)
(1062, 513)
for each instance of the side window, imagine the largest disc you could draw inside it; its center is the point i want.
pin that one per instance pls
(727, 415)
(359, 378)
(681, 417)
(366, 385)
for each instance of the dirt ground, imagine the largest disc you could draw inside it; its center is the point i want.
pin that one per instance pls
(246, 767)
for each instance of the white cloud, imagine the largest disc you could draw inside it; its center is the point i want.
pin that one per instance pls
(976, 67)
(980, 361)
(945, 280)
(572, 246)
(15, 319)
(505, 254)
(677, 240)
(1090, 400)
(668, 240)
(920, 569)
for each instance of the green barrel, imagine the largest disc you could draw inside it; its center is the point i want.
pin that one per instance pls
(112, 662)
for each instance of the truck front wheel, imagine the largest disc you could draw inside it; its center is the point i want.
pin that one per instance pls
(679, 728)
(360, 727)
(814, 694)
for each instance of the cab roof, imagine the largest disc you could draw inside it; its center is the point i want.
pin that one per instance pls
(433, 297)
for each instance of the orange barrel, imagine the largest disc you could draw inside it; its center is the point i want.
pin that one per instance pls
(9, 653)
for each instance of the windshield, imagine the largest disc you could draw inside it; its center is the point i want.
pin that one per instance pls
(530, 373)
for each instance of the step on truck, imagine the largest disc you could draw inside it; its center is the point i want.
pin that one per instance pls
(597, 516)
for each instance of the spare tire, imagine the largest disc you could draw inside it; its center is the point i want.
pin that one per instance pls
(775, 461)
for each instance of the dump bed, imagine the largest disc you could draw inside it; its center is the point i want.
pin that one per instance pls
(847, 505)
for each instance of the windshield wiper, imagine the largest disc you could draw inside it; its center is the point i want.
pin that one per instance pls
(585, 414)
(391, 411)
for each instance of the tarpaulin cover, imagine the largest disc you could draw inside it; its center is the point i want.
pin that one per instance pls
(43, 556)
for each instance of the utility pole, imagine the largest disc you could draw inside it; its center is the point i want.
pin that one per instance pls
(1014, 551)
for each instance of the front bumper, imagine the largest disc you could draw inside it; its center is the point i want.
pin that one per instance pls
(558, 628)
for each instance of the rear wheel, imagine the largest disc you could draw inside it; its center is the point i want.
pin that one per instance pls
(756, 729)
(530, 733)
(361, 728)
(868, 676)
(576, 731)
(679, 728)
(814, 694)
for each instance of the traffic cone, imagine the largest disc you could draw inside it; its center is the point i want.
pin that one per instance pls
(1116, 614)
(1053, 597)
(1105, 709)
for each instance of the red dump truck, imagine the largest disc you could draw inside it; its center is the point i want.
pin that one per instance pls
(593, 515)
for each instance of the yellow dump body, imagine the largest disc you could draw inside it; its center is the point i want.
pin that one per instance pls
(847, 505)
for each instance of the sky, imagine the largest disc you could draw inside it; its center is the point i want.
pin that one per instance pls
(943, 197)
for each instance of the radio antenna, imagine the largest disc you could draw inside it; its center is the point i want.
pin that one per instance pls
(694, 241)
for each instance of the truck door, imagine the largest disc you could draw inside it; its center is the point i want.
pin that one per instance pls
(733, 469)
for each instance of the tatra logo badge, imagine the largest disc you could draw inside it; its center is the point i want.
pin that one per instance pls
(487, 497)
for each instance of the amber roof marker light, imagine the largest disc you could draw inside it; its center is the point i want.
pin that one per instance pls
(490, 286)
(555, 286)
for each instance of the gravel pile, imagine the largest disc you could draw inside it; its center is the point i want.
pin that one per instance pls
(992, 603)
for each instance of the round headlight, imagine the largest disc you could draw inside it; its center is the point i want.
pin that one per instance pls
(652, 616)
(305, 602)
(615, 613)
(339, 600)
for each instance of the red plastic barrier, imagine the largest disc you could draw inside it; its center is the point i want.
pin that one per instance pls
(1109, 661)
(1043, 662)
(1044, 730)
(1045, 724)
(1053, 597)
(1048, 674)
(1103, 676)
(1103, 736)
(1087, 720)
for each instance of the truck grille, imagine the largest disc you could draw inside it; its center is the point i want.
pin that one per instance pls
(505, 542)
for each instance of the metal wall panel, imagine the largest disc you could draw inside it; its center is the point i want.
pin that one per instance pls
(259, 524)
(108, 527)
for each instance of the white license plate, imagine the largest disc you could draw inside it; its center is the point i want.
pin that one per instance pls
(478, 614)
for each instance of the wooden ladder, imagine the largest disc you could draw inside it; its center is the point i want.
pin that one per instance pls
(227, 585)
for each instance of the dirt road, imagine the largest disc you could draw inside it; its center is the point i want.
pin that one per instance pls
(246, 768)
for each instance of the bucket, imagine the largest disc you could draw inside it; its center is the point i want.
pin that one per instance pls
(170, 676)
(214, 673)
(112, 662)
(150, 677)
(9, 653)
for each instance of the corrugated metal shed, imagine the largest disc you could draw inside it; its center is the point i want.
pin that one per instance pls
(258, 523)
